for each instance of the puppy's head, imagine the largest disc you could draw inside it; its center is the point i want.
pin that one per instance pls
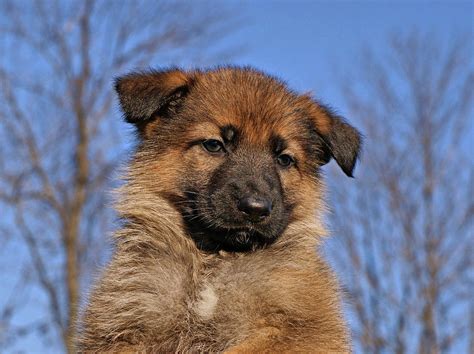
(234, 150)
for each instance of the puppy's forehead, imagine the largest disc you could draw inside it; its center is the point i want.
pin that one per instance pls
(259, 107)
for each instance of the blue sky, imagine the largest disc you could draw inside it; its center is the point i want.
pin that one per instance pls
(307, 42)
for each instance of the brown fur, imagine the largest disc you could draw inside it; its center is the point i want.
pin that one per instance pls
(160, 292)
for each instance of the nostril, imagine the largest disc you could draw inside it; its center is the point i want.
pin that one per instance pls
(255, 208)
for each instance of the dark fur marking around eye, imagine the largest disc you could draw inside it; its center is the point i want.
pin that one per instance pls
(277, 144)
(230, 135)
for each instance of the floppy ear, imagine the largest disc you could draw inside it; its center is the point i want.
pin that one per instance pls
(144, 95)
(341, 141)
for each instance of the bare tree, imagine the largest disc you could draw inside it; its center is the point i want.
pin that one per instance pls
(58, 144)
(404, 234)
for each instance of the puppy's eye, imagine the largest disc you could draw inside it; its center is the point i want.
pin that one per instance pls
(285, 160)
(212, 145)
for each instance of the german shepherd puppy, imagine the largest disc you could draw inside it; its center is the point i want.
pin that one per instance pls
(221, 211)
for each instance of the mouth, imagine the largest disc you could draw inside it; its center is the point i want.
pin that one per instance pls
(241, 239)
(230, 239)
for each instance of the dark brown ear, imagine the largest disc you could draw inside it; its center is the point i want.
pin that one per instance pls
(144, 95)
(341, 141)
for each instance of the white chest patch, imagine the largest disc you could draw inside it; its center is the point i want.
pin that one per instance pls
(206, 303)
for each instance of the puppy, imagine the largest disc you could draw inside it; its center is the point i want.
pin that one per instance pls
(221, 220)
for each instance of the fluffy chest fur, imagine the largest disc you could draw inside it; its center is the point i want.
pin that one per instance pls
(172, 301)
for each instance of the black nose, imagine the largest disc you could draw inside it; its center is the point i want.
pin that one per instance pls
(255, 208)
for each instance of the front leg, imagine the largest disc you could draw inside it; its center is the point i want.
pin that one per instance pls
(288, 309)
(274, 340)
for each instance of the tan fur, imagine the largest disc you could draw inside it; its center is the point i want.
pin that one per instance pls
(160, 293)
